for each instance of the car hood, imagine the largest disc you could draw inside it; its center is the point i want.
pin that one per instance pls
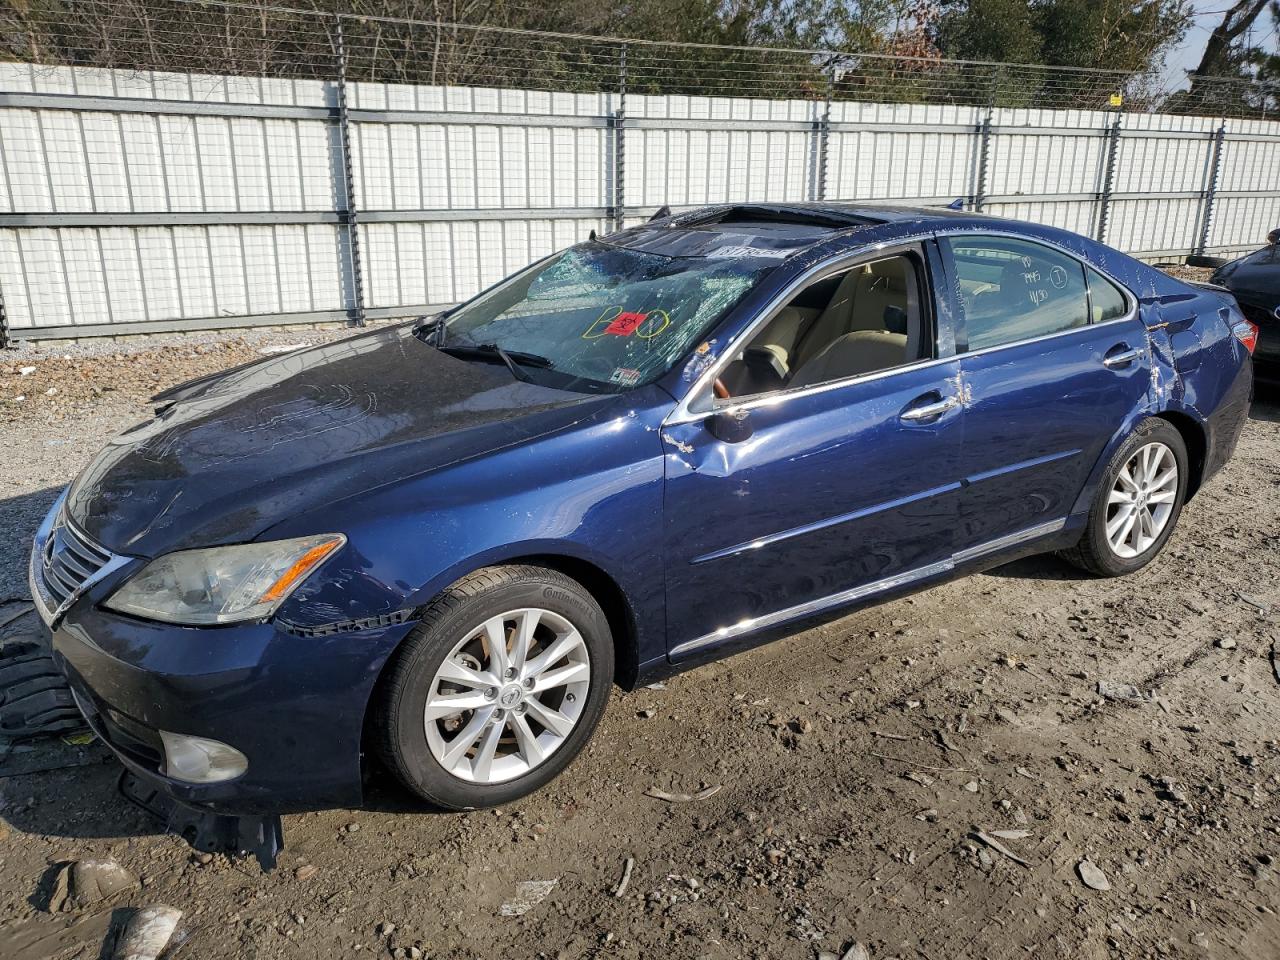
(228, 456)
(1255, 278)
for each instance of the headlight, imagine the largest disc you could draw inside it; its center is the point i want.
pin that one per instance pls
(223, 584)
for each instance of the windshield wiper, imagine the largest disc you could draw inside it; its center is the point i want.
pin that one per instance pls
(431, 330)
(514, 359)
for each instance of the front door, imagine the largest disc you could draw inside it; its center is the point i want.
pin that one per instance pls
(841, 479)
(1054, 360)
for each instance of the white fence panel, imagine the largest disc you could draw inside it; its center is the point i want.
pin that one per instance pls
(134, 200)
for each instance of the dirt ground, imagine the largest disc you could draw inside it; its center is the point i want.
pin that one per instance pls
(856, 765)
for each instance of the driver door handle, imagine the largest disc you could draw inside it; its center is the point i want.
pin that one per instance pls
(927, 411)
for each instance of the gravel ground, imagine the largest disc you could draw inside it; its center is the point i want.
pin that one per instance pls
(856, 764)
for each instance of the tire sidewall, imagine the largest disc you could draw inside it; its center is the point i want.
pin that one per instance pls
(428, 777)
(1151, 430)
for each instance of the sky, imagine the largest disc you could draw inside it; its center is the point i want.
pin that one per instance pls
(1208, 14)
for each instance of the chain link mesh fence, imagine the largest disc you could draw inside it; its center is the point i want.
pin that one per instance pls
(272, 40)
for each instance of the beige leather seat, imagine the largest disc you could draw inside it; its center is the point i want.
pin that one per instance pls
(784, 330)
(863, 351)
(859, 303)
(803, 346)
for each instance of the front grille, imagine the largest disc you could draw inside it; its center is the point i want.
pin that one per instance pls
(70, 558)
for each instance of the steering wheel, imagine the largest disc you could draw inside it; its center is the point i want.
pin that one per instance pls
(721, 391)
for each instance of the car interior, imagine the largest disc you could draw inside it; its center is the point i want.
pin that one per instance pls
(861, 321)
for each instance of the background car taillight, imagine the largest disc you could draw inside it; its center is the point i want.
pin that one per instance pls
(1246, 332)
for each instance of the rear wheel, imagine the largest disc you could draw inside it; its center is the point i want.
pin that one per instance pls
(1137, 504)
(498, 688)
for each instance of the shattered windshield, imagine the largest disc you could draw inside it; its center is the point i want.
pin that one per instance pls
(604, 318)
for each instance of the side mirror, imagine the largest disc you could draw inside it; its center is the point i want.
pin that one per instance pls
(1274, 236)
(730, 425)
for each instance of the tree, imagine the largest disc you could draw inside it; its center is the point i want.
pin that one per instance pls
(1002, 31)
(1217, 59)
(1119, 35)
(1233, 76)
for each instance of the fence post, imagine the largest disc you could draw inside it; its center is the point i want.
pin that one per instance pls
(619, 121)
(822, 130)
(1111, 148)
(4, 324)
(350, 216)
(984, 160)
(1211, 188)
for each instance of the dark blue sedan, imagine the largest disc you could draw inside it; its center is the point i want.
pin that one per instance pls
(437, 545)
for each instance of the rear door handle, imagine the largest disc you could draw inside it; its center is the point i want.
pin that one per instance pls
(928, 411)
(1121, 355)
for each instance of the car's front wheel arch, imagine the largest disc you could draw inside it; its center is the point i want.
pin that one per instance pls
(613, 601)
(512, 667)
(597, 582)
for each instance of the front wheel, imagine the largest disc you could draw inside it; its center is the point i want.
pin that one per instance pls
(1137, 504)
(497, 689)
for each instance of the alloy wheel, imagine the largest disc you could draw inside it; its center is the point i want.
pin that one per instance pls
(507, 696)
(1142, 500)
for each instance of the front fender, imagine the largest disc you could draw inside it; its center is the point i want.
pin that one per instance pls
(592, 494)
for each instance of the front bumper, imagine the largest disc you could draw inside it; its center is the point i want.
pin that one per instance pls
(293, 705)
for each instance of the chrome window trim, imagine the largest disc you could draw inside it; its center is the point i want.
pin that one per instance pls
(683, 415)
(1047, 336)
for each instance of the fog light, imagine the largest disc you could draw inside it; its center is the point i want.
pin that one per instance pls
(197, 760)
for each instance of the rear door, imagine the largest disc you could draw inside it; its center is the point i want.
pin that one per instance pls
(1054, 361)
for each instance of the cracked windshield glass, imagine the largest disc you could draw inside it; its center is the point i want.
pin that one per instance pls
(603, 318)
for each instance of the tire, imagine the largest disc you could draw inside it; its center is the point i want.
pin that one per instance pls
(452, 638)
(1096, 552)
(34, 697)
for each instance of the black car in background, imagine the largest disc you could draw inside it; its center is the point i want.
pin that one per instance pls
(1255, 281)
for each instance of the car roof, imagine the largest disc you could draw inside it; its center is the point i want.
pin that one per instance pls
(763, 229)
(804, 233)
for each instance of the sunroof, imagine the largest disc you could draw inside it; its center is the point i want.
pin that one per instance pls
(751, 214)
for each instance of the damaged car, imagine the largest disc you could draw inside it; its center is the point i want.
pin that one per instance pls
(436, 546)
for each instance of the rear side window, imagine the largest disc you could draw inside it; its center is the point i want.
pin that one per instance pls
(1015, 290)
(1108, 302)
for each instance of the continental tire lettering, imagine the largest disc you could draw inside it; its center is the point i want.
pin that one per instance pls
(552, 593)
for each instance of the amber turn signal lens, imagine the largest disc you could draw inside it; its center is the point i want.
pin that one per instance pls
(299, 570)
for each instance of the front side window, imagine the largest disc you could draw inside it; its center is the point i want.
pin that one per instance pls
(1014, 290)
(864, 320)
(603, 317)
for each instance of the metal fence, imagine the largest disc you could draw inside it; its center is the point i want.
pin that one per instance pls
(232, 165)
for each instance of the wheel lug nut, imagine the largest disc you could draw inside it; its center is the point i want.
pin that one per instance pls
(528, 683)
(498, 715)
(511, 673)
(491, 693)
